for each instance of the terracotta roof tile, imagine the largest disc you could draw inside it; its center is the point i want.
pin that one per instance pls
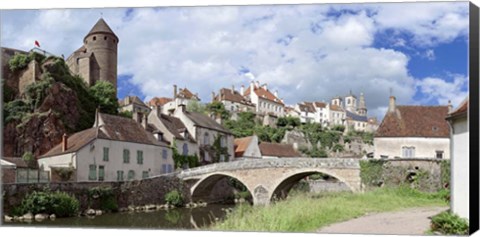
(235, 96)
(187, 94)
(159, 101)
(320, 104)
(115, 128)
(415, 121)
(336, 108)
(265, 94)
(277, 150)
(241, 145)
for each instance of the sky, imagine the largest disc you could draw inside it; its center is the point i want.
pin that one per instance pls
(308, 52)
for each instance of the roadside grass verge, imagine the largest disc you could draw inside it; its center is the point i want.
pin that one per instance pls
(304, 212)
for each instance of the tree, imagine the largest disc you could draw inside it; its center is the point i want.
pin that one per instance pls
(218, 109)
(195, 106)
(105, 97)
(29, 159)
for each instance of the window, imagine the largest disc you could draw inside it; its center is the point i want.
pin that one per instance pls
(119, 175)
(408, 152)
(167, 168)
(101, 173)
(94, 38)
(140, 157)
(105, 154)
(439, 154)
(144, 174)
(164, 154)
(222, 158)
(131, 175)
(348, 101)
(185, 149)
(206, 139)
(126, 156)
(92, 172)
(105, 38)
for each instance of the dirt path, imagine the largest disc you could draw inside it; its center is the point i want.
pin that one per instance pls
(407, 222)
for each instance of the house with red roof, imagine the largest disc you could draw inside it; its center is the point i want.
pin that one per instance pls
(233, 100)
(114, 149)
(247, 147)
(265, 101)
(412, 131)
(460, 154)
(182, 96)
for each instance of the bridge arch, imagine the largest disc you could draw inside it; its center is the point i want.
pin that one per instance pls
(203, 188)
(283, 185)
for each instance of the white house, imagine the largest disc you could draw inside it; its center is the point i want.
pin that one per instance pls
(206, 132)
(182, 97)
(171, 130)
(459, 135)
(322, 113)
(265, 101)
(307, 112)
(115, 149)
(413, 132)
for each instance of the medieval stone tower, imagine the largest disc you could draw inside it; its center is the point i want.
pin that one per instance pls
(96, 60)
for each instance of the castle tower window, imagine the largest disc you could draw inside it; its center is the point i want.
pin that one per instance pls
(114, 41)
(105, 38)
(94, 38)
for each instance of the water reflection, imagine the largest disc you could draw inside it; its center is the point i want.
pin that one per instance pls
(181, 218)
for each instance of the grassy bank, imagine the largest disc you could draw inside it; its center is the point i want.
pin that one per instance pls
(303, 212)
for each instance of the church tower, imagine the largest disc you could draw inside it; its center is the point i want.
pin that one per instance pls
(362, 108)
(351, 103)
(96, 60)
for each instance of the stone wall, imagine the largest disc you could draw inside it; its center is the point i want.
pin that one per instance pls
(424, 174)
(319, 186)
(8, 175)
(141, 192)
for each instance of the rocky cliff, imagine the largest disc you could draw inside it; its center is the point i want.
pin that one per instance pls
(39, 112)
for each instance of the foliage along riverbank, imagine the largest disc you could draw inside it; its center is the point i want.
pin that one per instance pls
(304, 212)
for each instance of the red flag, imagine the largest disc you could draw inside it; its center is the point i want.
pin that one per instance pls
(37, 44)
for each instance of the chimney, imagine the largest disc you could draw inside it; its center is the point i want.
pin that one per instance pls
(450, 107)
(242, 90)
(145, 121)
(64, 142)
(181, 107)
(276, 93)
(158, 110)
(174, 91)
(391, 104)
(265, 86)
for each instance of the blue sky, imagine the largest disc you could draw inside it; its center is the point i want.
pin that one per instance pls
(306, 52)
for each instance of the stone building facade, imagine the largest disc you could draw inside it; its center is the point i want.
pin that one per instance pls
(96, 60)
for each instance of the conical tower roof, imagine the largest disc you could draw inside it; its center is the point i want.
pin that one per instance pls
(101, 27)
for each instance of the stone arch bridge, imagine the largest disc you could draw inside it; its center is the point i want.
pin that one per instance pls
(268, 178)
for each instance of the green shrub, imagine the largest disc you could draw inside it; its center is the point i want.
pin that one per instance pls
(371, 172)
(18, 62)
(59, 203)
(448, 223)
(174, 198)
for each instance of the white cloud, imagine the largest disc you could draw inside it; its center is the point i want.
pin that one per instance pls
(430, 54)
(441, 91)
(204, 48)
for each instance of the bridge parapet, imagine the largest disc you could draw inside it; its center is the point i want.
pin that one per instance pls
(247, 164)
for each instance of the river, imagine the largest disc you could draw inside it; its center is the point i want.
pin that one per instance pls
(180, 218)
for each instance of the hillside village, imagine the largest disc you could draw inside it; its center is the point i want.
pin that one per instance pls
(149, 138)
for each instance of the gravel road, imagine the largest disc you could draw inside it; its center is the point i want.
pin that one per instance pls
(413, 221)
